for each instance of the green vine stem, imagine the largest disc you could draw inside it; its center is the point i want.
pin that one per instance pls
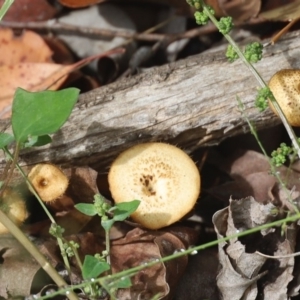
(59, 240)
(273, 169)
(34, 251)
(260, 80)
(5, 7)
(130, 272)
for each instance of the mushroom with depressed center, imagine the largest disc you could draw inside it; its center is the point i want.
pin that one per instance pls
(285, 86)
(163, 177)
(48, 181)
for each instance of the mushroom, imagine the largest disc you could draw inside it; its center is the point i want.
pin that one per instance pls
(163, 177)
(285, 86)
(14, 206)
(48, 181)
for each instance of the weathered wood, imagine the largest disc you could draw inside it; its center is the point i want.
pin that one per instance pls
(190, 103)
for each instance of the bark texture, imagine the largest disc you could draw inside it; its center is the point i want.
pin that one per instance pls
(190, 103)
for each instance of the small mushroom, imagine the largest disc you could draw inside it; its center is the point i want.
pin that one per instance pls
(14, 206)
(48, 181)
(285, 86)
(163, 177)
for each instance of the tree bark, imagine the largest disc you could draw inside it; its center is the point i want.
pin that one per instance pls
(190, 103)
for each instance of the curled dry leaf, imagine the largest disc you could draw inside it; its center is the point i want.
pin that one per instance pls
(251, 173)
(287, 12)
(243, 271)
(28, 47)
(237, 9)
(30, 67)
(20, 274)
(139, 247)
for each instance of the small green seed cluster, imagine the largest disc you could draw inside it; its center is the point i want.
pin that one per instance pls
(201, 17)
(253, 52)
(101, 206)
(231, 54)
(261, 100)
(70, 247)
(283, 152)
(56, 230)
(225, 25)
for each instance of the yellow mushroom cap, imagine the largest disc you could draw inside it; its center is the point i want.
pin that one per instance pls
(163, 177)
(49, 181)
(285, 86)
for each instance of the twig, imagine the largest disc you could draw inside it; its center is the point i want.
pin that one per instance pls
(278, 256)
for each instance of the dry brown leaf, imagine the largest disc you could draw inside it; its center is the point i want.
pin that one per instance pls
(244, 272)
(135, 249)
(140, 247)
(286, 12)
(252, 177)
(35, 77)
(29, 11)
(232, 284)
(20, 274)
(239, 10)
(244, 162)
(28, 47)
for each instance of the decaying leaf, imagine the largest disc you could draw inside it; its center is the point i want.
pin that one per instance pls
(251, 173)
(140, 247)
(238, 9)
(20, 274)
(28, 64)
(285, 12)
(245, 273)
(29, 11)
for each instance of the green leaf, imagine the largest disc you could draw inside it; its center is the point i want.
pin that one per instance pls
(122, 283)
(92, 267)
(5, 139)
(107, 224)
(125, 209)
(36, 141)
(41, 113)
(86, 208)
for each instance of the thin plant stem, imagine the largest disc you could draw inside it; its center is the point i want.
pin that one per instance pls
(260, 80)
(14, 160)
(107, 246)
(78, 260)
(109, 278)
(273, 169)
(59, 240)
(5, 7)
(34, 251)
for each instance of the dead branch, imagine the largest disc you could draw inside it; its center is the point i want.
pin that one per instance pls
(190, 103)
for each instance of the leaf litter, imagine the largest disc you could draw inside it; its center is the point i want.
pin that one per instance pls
(252, 197)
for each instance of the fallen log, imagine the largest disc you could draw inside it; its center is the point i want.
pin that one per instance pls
(191, 103)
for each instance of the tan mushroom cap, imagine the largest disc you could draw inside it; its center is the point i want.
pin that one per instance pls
(49, 181)
(162, 176)
(15, 208)
(285, 86)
